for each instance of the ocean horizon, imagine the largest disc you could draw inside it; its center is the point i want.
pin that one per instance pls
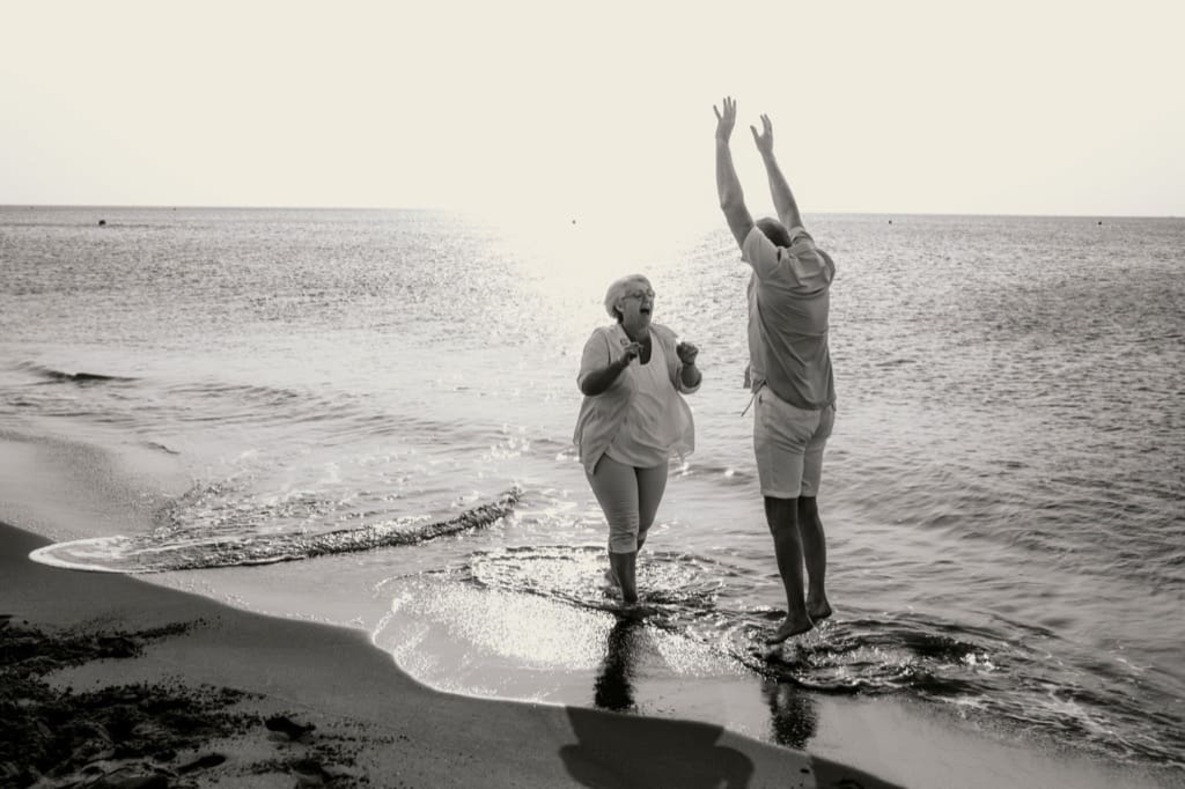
(476, 214)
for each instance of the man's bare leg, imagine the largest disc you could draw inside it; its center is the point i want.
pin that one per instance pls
(814, 550)
(782, 516)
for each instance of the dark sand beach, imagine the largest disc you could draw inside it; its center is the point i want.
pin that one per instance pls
(109, 681)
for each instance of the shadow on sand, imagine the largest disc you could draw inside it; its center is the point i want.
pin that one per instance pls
(617, 749)
(620, 751)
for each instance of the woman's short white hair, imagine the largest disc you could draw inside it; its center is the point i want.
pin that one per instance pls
(619, 290)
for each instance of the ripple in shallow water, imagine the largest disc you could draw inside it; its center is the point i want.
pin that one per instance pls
(976, 671)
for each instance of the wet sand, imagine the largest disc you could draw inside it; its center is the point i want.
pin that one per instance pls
(106, 680)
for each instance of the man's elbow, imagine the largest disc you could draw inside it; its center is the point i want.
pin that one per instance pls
(730, 201)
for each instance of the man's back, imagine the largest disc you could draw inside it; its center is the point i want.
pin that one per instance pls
(789, 304)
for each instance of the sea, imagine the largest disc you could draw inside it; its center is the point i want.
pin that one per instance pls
(364, 417)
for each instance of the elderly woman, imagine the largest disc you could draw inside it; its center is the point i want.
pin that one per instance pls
(632, 419)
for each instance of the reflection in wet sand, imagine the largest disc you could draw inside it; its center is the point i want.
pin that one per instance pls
(793, 719)
(614, 685)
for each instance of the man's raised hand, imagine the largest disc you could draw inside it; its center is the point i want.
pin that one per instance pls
(725, 122)
(764, 140)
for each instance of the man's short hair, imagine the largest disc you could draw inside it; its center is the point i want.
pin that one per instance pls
(775, 231)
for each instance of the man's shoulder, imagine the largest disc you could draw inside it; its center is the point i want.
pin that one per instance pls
(799, 233)
(756, 243)
(802, 244)
(808, 258)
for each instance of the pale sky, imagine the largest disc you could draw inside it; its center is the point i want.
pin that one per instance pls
(558, 109)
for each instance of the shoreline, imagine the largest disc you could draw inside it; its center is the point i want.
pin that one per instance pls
(211, 694)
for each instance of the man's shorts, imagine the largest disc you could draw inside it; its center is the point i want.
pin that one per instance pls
(788, 442)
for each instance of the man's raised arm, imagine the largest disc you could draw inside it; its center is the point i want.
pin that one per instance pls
(784, 202)
(732, 198)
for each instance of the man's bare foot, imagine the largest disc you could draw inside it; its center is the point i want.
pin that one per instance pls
(791, 627)
(818, 611)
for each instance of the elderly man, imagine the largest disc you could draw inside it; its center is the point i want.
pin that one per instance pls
(789, 371)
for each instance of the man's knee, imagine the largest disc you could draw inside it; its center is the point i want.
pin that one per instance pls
(808, 507)
(781, 513)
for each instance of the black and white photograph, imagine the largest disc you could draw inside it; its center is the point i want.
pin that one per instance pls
(614, 395)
